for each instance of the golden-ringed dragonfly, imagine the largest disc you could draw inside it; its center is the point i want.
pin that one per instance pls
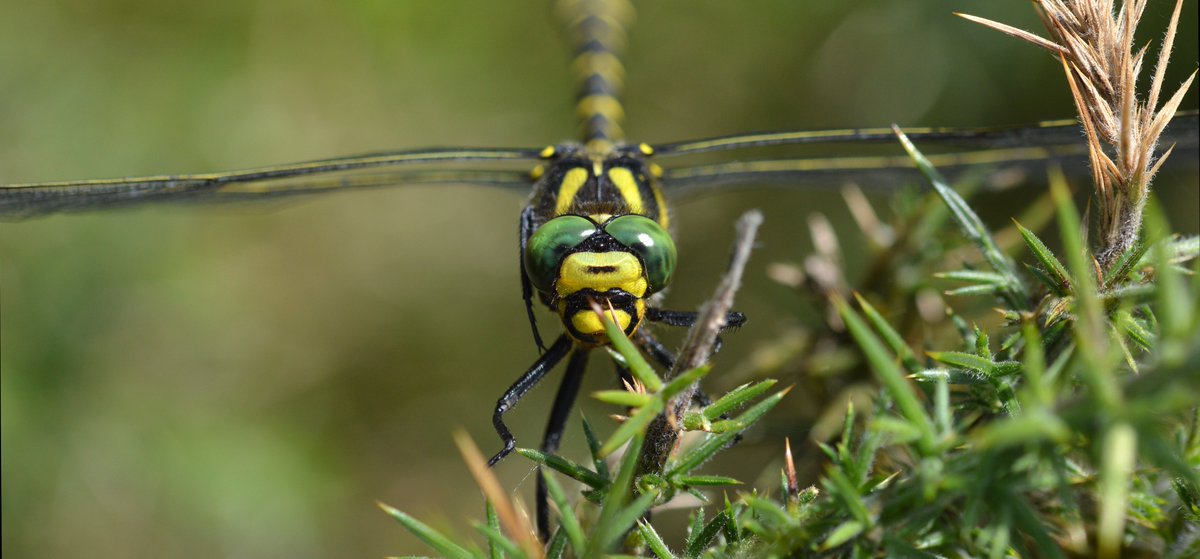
(596, 227)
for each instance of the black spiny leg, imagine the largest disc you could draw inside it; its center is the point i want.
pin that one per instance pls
(686, 319)
(563, 402)
(623, 374)
(515, 392)
(655, 349)
(526, 231)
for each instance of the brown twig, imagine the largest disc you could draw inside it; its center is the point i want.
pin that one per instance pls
(663, 432)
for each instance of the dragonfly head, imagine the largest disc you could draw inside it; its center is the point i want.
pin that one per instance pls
(615, 262)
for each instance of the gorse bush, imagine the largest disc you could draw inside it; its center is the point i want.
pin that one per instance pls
(1064, 422)
(1069, 429)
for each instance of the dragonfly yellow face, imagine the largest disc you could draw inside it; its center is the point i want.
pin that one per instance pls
(591, 233)
(595, 233)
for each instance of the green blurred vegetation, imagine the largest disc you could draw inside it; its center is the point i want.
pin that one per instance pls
(246, 381)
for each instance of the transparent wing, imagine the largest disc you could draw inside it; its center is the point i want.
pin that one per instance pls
(1048, 133)
(1060, 141)
(310, 177)
(1006, 153)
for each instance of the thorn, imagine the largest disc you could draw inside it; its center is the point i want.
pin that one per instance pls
(612, 313)
(596, 308)
(386, 507)
(636, 386)
(1009, 314)
(793, 486)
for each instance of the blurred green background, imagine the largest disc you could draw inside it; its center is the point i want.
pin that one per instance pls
(245, 381)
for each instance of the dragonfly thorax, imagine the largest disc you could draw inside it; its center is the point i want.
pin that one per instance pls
(574, 181)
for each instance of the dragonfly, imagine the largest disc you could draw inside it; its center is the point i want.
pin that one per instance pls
(612, 191)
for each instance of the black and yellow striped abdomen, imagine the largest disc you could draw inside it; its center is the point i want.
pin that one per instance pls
(598, 30)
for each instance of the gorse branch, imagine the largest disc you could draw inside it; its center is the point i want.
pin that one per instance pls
(663, 432)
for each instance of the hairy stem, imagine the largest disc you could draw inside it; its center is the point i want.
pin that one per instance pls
(1120, 228)
(663, 432)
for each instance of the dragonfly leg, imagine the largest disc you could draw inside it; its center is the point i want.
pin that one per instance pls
(526, 231)
(685, 319)
(655, 349)
(563, 402)
(623, 374)
(518, 390)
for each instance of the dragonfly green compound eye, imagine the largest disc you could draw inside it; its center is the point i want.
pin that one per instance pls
(651, 242)
(550, 244)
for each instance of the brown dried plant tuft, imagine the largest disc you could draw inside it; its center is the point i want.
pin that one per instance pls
(1094, 40)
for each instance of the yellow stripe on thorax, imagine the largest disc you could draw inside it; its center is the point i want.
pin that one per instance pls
(663, 217)
(627, 186)
(572, 181)
(657, 172)
(601, 271)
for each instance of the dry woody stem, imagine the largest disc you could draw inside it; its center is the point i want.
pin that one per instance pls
(663, 432)
(1094, 39)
